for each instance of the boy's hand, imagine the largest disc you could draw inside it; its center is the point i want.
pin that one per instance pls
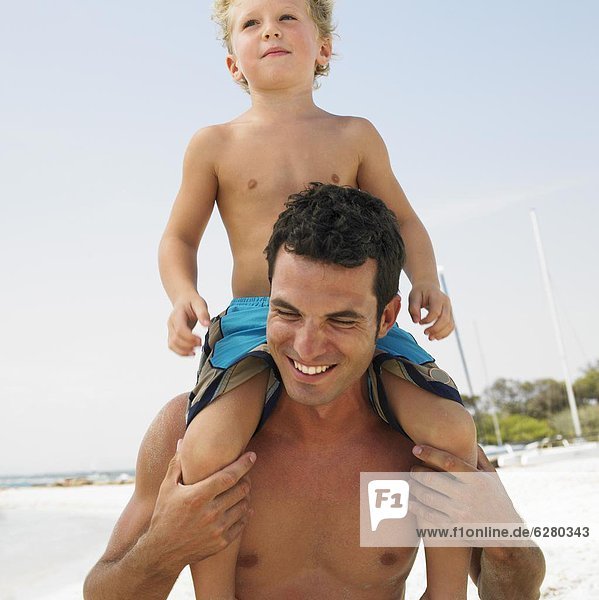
(438, 307)
(186, 313)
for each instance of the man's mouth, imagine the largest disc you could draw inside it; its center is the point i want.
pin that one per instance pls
(311, 369)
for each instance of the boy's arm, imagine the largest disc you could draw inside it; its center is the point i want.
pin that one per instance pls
(166, 525)
(446, 572)
(177, 256)
(376, 177)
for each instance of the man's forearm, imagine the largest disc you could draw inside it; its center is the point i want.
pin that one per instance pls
(135, 575)
(511, 573)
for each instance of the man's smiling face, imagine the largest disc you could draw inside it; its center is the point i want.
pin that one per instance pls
(322, 326)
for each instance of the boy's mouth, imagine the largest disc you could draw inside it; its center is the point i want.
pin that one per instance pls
(275, 51)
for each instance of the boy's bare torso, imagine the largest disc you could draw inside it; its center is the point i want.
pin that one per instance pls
(258, 165)
(303, 538)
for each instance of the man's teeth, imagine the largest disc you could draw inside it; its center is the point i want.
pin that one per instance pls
(313, 370)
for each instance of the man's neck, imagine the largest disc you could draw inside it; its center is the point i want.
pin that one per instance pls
(347, 416)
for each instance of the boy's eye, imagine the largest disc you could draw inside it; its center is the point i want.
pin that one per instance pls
(287, 17)
(249, 23)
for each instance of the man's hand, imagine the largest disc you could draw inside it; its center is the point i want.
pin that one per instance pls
(461, 498)
(438, 307)
(191, 522)
(187, 311)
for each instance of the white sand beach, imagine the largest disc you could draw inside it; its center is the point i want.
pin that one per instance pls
(50, 537)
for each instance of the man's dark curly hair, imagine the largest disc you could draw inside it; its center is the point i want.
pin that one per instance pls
(344, 226)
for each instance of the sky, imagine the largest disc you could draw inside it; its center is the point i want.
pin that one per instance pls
(487, 109)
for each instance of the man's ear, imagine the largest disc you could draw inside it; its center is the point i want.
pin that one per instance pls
(234, 69)
(389, 315)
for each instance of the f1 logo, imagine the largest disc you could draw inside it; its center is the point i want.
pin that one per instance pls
(387, 499)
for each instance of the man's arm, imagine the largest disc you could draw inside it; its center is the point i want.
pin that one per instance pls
(501, 573)
(167, 525)
(508, 573)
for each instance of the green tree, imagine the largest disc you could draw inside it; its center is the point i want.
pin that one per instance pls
(485, 431)
(587, 386)
(507, 395)
(520, 428)
(545, 397)
(589, 422)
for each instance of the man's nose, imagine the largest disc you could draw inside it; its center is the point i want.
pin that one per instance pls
(310, 343)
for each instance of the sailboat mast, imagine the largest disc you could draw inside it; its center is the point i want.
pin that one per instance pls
(558, 333)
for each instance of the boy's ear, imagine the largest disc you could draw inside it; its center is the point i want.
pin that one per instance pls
(325, 52)
(234, 69)
(389, 316)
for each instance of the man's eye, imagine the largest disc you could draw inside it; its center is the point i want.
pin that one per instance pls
(249, 23)
(342, 323)
(288, 315)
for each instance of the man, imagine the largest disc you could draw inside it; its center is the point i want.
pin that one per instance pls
(321, 433)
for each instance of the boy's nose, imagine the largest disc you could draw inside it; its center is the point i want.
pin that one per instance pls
(271, 31)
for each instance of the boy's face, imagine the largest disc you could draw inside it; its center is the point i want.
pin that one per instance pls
(275, 44)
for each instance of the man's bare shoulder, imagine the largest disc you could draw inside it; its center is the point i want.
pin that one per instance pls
(159, 444)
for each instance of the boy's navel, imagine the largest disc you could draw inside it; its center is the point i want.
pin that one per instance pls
(335, 178)
(252, 183)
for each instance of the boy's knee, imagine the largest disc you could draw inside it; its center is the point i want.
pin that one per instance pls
(448, 426)
(204, 452)
(455, 431)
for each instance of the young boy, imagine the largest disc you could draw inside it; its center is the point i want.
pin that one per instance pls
(248, 167)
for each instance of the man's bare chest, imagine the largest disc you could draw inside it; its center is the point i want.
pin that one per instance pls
(307, 522)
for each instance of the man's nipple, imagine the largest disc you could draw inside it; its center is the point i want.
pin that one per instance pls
(388, 558)
(252, 183)
(335, 178)
(247, 561)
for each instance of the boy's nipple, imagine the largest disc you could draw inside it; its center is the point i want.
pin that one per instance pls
(252, 183)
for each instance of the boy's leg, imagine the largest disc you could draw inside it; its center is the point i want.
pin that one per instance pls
(447, 425)
(430, 419)
(215, 438)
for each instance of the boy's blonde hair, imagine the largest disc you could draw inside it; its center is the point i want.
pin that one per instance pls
(321, 12)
